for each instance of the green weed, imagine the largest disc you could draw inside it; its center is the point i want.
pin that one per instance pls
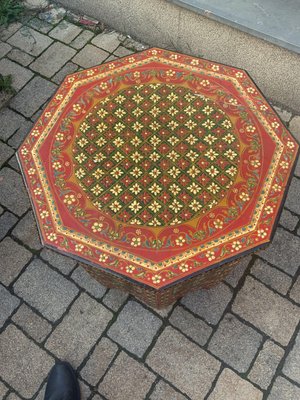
(10, 11)
(6, 84)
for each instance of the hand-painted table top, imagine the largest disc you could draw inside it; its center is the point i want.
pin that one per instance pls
(158, 166)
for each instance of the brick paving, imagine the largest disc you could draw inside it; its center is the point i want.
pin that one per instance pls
(239, 340)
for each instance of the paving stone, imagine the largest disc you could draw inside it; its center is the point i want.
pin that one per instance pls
(46, 290)
(33, 96)
(288, 220)
(297, 169)
(3, 390)
(10, 123)
(132, 377)
(17, 139)
(195, 328)
(85, 391)
(13, 396)
(65, 32)
(183, 363)
(27, 232)
(52, 59)
(283, 114)
(132, 44)
(208, 304)
(40, 25)
(4, 49)
(268, 311)
(292, 201)
(82, 39)
(266, 364)
(5, 153)
(74, 337)
(115, 298)
(13, 258)
(20, 57)
(53, 14)
(232, 387)
(23, 365)
(122, 52)
(41, 393)
(90, 56)
(13, 194)
(36, 4)
(291, 366)
(135, 328)
(8, 31)
(20, 75)
(164, 312)
(62, 263)
(69, 68)
(295, 291)
(283, 243)
(163, 391)
(7, 221)
(271, 276)
(30, 41)
(1, 210)
(98, 361)
(284, 390)
(108, 41)
(235, 343)
(8, 304)
(85, 280)
(238, 271)
(36, 327)
(294, 127)
(13, 163)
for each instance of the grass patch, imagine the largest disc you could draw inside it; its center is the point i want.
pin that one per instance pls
(6, 84)
(10, 11)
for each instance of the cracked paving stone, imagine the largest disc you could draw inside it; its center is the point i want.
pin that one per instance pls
(27, 232)
(115, 298)
(13, 259)
(30, 41)
(8, 304)
(291, 366)
(46, 290)
(5, 153)
(292, 201)
(283, 243)
(163, 391)
(208, 304)
(135, 328)
(33, 96)
(265, 365)
(99, 361)
(62, 263)
(65, 32)
(85, 280)
(90, 56)
(23, 365)
(295, 291)
(132, 377)
(10, 123)
(188, 367)
(235, 343)
(284, 390)
(20, 75)
(232, 387)
(36, 327)
(269, 312)
(74, 337)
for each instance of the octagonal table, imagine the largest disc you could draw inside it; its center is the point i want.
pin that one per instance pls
(159, 171)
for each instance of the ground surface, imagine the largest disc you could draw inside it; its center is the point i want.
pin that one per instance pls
(238, 341)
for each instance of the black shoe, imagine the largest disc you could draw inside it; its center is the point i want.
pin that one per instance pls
(62, 383)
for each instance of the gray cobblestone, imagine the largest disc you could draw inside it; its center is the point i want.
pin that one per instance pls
(292, 201)
(132, 377)
(13, 194)
(23, 365)
(52, 59)
(231, 387)
(99, 361)
(235, 343)
(85, 391)
(74, 337)
(283, 243)
(20, 75)
(13, 258)
(288, 220)
(284, 390)
(20, 57)
(238, 271)
(10, 123)
(82, 39)
(208, 304)
(283, 114)
(45, 289)
(7, 221)
(187, 366)
(294, 127)
(40, 25)
(295, 291)
(4, 49)
(271, 276)
(195, 328)
(18, 138)
(135, 328)
(30, 41)
(291, 366)
(122, 52)
(69, 68)
(13, 396)
(33, 96)
(163, 391)
(27, 232)
(90, 56)
(37, 327)
(115, 298)
(7, 32)
(90, 284)
(8, 304)
(5, 153)
(255, 301)
(65, 32)
(3, 390)
(62, 263)
(297, 169)
(13, 163)
(266, 364)
(108, 41)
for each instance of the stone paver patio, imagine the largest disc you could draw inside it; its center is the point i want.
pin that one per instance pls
(238, 341)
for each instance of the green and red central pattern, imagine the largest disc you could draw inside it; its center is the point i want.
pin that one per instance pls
(158, 166)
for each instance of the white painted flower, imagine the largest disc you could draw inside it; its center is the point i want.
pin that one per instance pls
(261, 233)
(103, 257)
(69, 199)
(156, 278)
(184, 267)
(210, 255)
(79, 247)
(269, 210)
(52, 237)
(180, 241)
(244, 196)
(97, 226)
(44, 214)
(236, 245)
(135, 242)
(130, 268)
